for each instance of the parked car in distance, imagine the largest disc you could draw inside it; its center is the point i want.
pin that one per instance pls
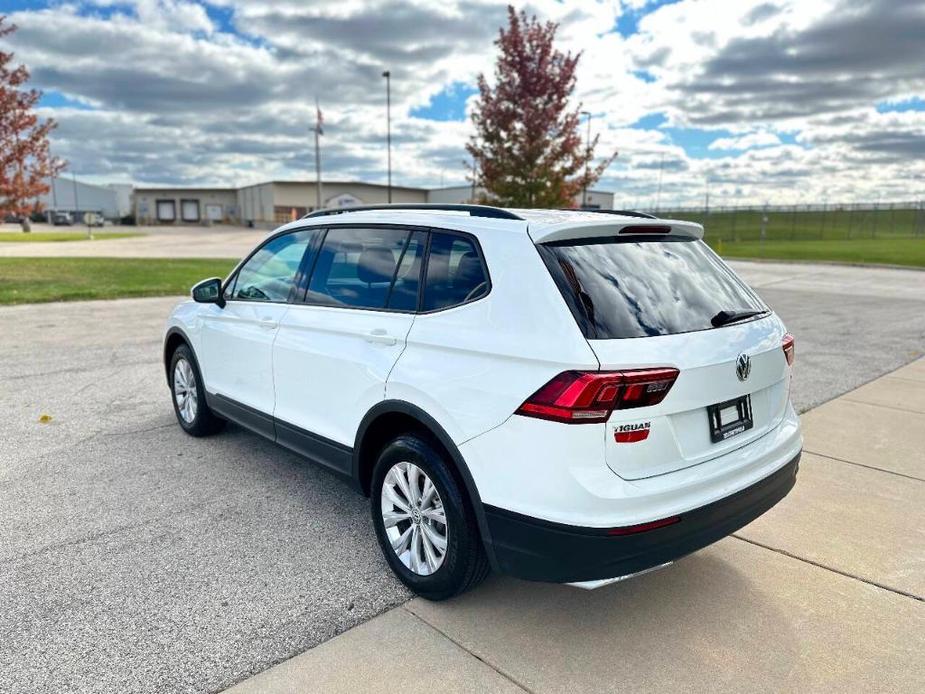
(575, 397)
(94, 219)
(59, 219)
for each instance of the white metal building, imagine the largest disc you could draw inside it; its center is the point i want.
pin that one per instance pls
(76, 198)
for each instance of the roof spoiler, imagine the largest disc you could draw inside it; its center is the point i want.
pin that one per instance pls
(604, 228)
(621, 213)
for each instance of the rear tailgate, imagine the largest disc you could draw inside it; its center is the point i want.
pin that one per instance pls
(679, 428)
(664, 299)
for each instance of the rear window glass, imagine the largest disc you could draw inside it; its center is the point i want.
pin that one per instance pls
(455, 273)
(637, 287)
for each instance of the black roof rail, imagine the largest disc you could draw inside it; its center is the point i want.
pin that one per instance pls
(622, 213)
(473, 210)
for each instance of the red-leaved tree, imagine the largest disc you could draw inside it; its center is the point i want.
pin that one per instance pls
(527, 149)
(26, 164)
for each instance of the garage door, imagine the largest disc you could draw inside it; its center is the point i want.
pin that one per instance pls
(190, 210)
(214, 212)
(166, 210)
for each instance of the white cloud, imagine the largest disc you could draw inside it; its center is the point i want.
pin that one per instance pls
(178, 99)
(756, 139)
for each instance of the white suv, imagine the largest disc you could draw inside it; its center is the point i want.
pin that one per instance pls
(557, 395)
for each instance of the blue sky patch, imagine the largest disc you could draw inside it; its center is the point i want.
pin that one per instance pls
(695, 141)
(650, 121)
(916, 103)
(17, 5)
(449, 104)
(54, 99)
(222, 18)
(628, 21)
(644, 75)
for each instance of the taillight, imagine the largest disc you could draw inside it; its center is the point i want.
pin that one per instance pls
(787, 344)
(585, 397)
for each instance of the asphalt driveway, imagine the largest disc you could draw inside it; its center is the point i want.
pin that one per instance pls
(134, 558)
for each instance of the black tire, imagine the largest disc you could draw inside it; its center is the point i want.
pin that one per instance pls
(205, 422)
(465, 564)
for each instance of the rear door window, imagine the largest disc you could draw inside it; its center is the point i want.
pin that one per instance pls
(455, 272)
(356, 266)
(642, 287)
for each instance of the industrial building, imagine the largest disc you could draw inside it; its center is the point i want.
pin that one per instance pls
(188, 206)
(76, 198)
(277, 202)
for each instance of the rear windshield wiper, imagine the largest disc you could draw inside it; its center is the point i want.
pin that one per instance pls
(727, 317)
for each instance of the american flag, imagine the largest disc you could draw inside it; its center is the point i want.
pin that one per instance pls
(319, 121)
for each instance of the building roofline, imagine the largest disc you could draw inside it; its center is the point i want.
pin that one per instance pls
(165, 188)
(469, 185)
(336, 183)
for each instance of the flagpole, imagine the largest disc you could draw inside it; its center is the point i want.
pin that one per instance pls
(318, 184)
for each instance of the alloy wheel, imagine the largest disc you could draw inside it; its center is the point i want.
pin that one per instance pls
(414, 518)
(185, 391)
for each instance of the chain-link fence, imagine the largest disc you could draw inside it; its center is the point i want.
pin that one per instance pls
(806, 222)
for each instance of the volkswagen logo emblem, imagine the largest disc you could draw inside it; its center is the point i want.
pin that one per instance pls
(743, 366)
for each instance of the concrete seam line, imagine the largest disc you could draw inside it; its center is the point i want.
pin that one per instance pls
(919, 381)
(869, 582)
(869, 467)
(885, 407)
(449, 638)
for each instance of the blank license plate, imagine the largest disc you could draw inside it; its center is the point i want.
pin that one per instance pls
(730, 418)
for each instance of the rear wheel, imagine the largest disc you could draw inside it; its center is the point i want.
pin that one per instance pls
(425, 528)
(189, 402)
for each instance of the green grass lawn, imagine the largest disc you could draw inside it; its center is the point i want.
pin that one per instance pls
(886, 251)
(27, 280)
(797, 224)
(53, 236)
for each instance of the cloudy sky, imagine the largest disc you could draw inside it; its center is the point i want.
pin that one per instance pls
(784, 101)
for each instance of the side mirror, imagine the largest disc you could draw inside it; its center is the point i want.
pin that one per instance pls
(209, 292)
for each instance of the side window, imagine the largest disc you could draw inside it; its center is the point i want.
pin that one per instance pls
(404, 296)
(455, 273)
(356, 267)
(268, 275)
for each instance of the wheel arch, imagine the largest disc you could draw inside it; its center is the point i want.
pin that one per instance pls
(174, 338)
(391, 417)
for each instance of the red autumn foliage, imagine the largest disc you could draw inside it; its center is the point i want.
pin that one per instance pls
(26, 163)
(527, 147)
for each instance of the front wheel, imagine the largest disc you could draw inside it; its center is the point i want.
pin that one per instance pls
(189, 398)
(425, 528)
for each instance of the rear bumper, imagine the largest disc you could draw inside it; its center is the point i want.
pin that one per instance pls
(540, 550)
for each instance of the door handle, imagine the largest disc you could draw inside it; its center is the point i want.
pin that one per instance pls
(381, 336)
(268, 323)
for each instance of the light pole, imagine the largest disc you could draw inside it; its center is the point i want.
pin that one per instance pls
(388, 125)
(584, 195)
(658, 195)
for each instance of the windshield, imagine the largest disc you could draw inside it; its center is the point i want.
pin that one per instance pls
(641, 287)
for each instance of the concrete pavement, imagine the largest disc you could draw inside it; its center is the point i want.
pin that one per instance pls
(136, 559)
(824, 593)
(220, 241)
